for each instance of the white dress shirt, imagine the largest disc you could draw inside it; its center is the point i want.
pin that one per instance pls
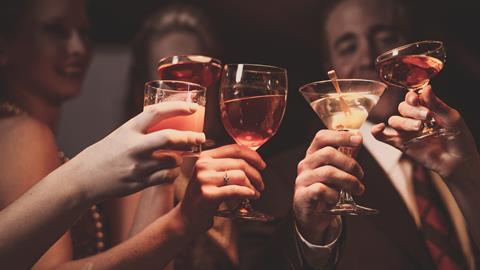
(399, 172)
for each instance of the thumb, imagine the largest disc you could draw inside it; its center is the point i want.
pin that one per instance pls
(387, 135)
(160, 111)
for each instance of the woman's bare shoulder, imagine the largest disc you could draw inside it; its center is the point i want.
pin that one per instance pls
(29, 153)
(25, 132)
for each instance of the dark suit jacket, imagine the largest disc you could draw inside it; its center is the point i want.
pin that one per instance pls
(274, 245)
(389, 240)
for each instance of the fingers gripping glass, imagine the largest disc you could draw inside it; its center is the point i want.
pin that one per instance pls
(163, 91)
(411, 67)
(347, 110)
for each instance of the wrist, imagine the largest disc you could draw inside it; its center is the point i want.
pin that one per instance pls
(467, 174)
(179, 224)
(72, 195)
(314, 232)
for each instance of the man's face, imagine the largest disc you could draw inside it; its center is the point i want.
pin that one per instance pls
(357, 31)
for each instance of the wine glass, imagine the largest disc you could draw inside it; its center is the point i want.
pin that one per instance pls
(412, 66)
(252, 104)
(345, 111)
(167, 91)
(199, 69)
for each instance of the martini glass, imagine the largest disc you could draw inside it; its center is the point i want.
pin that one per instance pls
(252, 104)
(412, 66)
(359, 96)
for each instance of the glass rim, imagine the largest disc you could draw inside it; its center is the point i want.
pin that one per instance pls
(438, 42)
(274, 68)
(212, 59)
(201, 87)
(301, 89)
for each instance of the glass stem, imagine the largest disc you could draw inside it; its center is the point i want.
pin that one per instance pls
(244, 207)
(345, 197)
(429, 124)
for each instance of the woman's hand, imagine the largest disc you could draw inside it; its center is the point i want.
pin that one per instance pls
(122, 163)
(207, 187)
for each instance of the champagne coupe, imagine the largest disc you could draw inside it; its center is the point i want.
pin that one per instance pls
(345, 111)
(412, 66)
(199, 69)
(168, 91)
(252, 104)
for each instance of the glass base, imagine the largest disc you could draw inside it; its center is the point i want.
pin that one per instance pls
(347, 209)
(244, 211)
(435, 134)
(252, 215)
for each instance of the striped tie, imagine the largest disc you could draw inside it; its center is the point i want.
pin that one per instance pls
(437, 229)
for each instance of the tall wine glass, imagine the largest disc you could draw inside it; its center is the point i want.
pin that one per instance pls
(412, 66)
(252, 104)
(199, 69)
(345, 111)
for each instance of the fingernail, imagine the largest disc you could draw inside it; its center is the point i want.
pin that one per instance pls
(417, 125)
(264, 165)
(362, 190)
(193, 107)
(355, 139)
(424, 114)
(362, 174)
(201, 138)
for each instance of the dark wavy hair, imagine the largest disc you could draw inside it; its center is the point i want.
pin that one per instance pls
(177, 17)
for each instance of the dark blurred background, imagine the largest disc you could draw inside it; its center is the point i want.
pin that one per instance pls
(276, 32)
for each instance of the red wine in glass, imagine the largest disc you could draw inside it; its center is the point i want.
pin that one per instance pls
(251, 121)
(409, 71)
(412, 66)
(202, 70)
(252, 104)
(197, 69)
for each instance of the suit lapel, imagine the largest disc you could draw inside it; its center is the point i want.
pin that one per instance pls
(394, 218)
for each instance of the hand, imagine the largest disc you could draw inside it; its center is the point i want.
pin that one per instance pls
(321, 175)
(207, 189)
(122, 163)
(445, 156)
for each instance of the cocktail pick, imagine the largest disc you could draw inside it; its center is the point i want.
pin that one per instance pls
(343, 105)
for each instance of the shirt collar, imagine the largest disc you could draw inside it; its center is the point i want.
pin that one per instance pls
(387, 156)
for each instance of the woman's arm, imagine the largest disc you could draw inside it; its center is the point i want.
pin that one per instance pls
(119, 164)
(29, 153)
(157, 244)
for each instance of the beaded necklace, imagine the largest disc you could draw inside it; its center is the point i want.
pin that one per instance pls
(10, 108)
